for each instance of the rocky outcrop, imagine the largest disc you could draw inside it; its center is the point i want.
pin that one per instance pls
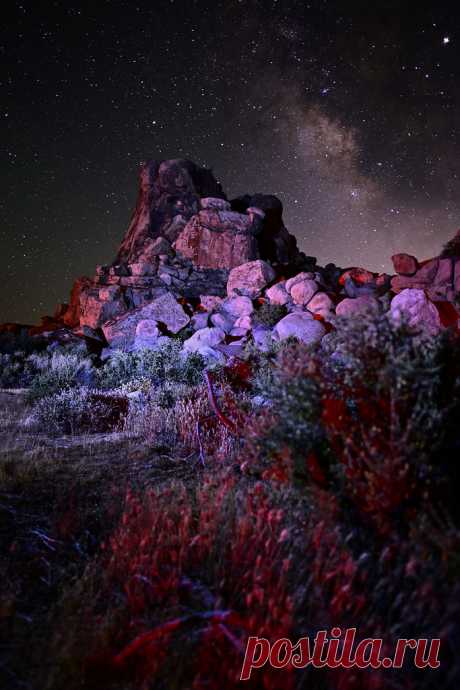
(218, 272)
(184, 238)
(217, 237)
(275, 243)
(169, 193)
(71, 316)
(438, 277)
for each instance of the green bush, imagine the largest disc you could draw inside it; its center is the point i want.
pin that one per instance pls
(167, 363)
(12, 373)
(78, 410)
(60, 370)
(269, 314)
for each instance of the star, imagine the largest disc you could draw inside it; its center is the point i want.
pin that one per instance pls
(446, 40)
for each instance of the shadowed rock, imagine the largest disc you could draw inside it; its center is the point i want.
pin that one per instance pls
(169, 194)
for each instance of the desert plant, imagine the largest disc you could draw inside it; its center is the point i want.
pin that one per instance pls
(56, 371)
(159, 365)
(269, 314)
(78, 410)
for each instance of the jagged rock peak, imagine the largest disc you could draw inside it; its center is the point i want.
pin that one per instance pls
(184, 204)
(169, 194)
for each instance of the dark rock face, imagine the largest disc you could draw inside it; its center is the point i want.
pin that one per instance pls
(275, 243)
(169, 196)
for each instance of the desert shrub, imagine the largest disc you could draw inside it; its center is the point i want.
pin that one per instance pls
(21, 342)
(153, 423)
(288, 429)
(374, 409)
(56, 371)
(167, 363)
(263, 364)
(12, 373)
(79, 410)
(397, 379)
(269, 314)
(179, 417)
(188, 573)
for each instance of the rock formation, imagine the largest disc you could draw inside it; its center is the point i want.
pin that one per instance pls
(184, 238)
(196, 264)
(169, 195)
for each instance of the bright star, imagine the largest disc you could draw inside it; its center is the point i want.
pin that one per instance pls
(446, 40)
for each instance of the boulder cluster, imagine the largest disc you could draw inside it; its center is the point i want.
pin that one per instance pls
(224, 273)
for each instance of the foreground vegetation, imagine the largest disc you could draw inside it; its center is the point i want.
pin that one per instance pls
(152, 520)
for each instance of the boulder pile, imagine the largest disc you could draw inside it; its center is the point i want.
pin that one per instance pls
(223, 273)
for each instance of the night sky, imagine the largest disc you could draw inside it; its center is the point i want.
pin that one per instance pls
(348, 111)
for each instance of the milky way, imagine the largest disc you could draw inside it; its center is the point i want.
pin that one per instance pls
(348, 111)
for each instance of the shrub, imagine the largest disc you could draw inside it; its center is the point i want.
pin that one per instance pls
(58, 371)
(167, 363)
(269, 314)
(78, 410)
(186, 576)
(374, 408)
(12, 374)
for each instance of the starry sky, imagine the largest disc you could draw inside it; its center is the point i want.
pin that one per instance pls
(348, 111)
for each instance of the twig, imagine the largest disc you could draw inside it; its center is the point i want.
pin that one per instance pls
(198, 436)
(213, 402)
(152, 636)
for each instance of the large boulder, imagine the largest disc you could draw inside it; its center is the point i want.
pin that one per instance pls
(405, 264)
(237, 306)
(147, 336)
(299, 278)
(417, 310)
(360, 276)
(210, 302)
(423, 278)
(250, 278)
(262, 336)
(216, 238)
(357, 306)
(223, 320)
(100, 305)
(303, 291)
(278, 294)
(300, 325)
(321, 304)
(199, 320)
(204, 342)
(165, 311)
